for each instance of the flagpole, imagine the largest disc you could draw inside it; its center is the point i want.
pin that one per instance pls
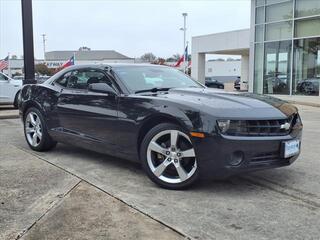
(187, 60)
(74, 58)
(184, 38)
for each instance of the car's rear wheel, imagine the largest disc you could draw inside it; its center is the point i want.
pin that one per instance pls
(168, 157)
(35, 131)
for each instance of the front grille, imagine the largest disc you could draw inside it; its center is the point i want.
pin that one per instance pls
(261, 127)
(264, 157)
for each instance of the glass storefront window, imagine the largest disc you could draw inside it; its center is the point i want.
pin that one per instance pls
(278, 12)
(260, 15)
(306, 8)
(258, 68)
(278, 31)
(259, 33)
(259, 3)
(306, 66)
(307, 27)
(287, 47)
(277, 70)
(275, 1)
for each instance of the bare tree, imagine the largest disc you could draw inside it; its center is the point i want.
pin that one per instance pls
(148, 57)
(84, 48)
(176, 56)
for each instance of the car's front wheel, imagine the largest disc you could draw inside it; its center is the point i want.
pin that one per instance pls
(35, 130)
(168, 157)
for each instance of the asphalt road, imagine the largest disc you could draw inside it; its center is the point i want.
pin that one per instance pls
(280, 203)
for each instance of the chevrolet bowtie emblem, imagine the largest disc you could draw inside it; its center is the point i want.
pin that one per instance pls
(285, 126)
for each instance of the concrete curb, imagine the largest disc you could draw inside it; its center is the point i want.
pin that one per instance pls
(9, 116)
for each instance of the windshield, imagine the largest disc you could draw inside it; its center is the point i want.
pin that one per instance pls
(138, 78)
(3, 77)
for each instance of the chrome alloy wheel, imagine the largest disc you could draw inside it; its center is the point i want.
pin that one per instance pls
(33, 129)
(171, 156)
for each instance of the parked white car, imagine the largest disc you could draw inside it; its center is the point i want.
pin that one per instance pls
(9, 90)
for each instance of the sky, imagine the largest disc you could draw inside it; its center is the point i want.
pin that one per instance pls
(131, 27)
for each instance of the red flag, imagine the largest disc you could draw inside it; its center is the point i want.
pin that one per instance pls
(183, 58)
(69, 63)
(179, 61)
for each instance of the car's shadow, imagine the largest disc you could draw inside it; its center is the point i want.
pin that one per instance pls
(80, 159)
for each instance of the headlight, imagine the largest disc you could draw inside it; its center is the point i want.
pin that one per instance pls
(223, 125)
(296, 121)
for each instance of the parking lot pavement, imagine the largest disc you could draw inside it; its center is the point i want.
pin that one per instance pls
(281, 203)
(89, 213)
(41, 201)
(28, 188)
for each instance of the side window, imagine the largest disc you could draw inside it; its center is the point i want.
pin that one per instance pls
(80, 79)
(63, 80)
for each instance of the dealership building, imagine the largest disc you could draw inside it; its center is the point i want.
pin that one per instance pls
(280, 53)
(55, 59)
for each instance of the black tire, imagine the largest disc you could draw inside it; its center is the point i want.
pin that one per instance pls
(46, 142)
(15, 102)
(143, 157)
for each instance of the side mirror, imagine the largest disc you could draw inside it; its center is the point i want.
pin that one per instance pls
(102, 88)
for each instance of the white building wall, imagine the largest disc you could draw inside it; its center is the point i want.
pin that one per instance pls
(198, 65)
(16, 65)
(223, 68)
(251, 52)
(56, 64)
(226, 41)
(245, 68)
(232, 43)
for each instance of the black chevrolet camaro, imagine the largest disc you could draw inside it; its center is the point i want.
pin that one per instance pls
(177, 128)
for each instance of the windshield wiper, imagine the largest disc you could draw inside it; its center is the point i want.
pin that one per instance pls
(152, 90)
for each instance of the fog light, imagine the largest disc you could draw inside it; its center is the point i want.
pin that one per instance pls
(223, 125)
(236, 158)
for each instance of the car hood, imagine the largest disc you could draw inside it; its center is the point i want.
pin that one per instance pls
(16, 82)
(223, 104)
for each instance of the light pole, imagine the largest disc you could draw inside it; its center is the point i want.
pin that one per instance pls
(184, 29)
(27, 31)
(44, 45)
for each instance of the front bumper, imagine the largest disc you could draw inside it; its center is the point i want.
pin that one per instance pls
(215, 154)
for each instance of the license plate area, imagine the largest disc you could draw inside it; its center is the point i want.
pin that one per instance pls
(291, 148)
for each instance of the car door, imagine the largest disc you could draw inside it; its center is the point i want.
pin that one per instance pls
(88, 117)
(3, 81)
(8, 89)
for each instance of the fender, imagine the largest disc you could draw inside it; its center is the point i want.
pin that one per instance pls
(37, 96)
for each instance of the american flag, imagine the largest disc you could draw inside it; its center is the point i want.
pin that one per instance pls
(4, 63)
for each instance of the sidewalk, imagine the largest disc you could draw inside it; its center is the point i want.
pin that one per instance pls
(313, 101)
(8, 111)
(39, 200)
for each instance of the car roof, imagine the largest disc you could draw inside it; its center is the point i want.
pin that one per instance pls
(113, 65)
